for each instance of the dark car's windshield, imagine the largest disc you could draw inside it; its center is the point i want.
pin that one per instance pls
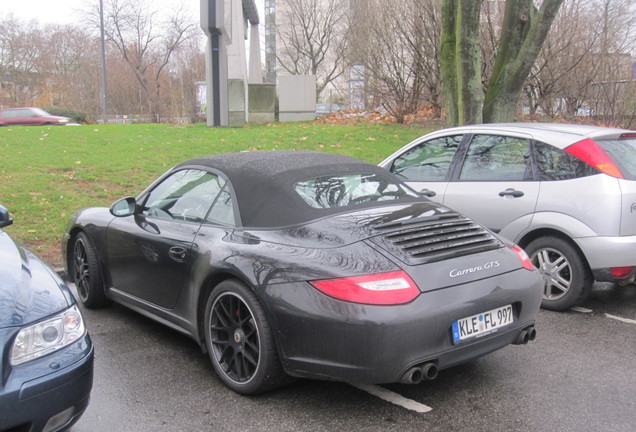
(346, 190)
(623, 153)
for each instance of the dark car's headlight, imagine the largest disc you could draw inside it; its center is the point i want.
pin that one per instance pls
(47, 336)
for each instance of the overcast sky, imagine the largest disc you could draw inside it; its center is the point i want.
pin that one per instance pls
(69, 11)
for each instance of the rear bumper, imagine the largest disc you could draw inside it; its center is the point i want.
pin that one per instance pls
(603, 253)
(320, 337)
(54, 389)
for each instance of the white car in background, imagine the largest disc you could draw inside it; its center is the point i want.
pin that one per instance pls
(565, 193)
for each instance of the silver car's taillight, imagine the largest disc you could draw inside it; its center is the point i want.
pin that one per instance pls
(592, 154)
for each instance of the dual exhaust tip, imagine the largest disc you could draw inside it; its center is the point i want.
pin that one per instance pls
(417, 374)
(429, 370)
(528, 334)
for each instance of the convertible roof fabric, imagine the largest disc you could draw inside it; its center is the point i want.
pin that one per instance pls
(263, 182)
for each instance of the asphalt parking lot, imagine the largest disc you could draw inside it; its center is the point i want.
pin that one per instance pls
(579, 375)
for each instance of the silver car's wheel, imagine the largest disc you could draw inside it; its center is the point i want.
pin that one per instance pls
(556, 272)
(566, 278)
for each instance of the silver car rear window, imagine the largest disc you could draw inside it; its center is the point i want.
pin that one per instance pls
(623, 153)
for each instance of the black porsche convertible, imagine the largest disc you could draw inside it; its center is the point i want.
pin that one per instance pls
(299, 264)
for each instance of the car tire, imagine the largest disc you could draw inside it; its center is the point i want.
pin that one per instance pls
(566, 275)
(86, 273)
(240, 342)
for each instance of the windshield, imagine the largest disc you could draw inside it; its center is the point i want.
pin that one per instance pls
(40, 112)
(623, 153)
(350, 189)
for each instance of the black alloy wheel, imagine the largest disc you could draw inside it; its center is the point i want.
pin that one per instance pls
(567, 280)
(240, 342)
(86, 273)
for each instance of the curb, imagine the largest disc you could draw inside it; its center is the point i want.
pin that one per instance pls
(61, 273)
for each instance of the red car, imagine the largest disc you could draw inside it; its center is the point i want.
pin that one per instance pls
(30, 117)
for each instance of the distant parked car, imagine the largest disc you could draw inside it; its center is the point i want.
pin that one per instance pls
(565, 193)
(328, 108)
(46, 355)
(305, 264)
(30, 117)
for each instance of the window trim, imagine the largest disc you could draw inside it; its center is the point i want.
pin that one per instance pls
(455, 160)
(460, 159)
(143, 197)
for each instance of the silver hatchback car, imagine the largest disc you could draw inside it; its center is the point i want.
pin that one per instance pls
(565, 193)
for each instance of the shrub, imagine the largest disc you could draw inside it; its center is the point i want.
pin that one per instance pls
(75, 116)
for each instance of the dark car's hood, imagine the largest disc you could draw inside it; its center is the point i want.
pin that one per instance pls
(29, 289)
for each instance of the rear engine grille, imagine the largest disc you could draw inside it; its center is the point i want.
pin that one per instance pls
(435, 238)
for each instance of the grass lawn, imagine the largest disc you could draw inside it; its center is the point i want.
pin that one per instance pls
(47, 173)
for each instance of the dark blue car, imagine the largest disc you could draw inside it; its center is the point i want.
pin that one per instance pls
(46, 358)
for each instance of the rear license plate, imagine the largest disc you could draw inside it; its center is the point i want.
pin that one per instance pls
(482, 324)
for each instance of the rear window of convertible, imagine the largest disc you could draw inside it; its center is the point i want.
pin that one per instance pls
(347, 190)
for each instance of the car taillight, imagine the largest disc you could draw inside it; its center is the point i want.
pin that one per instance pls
(621, 272)
(526, 262)
(591, 153)
(379, 289)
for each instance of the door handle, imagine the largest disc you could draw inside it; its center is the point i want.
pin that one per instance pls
(427, 193)
(178, 253)
(511, 192)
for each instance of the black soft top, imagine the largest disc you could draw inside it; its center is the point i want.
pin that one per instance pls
(264, 182)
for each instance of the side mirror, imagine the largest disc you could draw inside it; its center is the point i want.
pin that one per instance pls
(5, 218)
(124, 207)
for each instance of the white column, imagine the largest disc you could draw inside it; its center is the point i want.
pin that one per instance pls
(256, 67)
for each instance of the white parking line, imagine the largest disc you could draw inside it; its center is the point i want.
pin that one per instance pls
(614, 317)
(581, 309)
(617, 318)
(393, 398)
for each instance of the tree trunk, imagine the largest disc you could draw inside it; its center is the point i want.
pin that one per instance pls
(460, 61)
(524, 29)
(447, 61)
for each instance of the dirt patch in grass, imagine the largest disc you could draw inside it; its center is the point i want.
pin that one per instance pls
(48, 252)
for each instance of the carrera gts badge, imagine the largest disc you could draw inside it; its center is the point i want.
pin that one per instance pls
(489, 265)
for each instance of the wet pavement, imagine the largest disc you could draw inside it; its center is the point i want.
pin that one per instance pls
(579, 375)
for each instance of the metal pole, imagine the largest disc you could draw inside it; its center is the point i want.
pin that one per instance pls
(103, 65)
(216, 78)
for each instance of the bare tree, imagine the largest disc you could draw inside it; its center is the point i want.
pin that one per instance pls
(146, 41)
(21, 48)
(584, 67)
(153, 68)
(312, 38)
(188, 67)
(399, 47)
(560, 80)
(613, 91)
(70, 65)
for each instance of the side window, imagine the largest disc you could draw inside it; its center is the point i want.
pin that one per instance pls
(222, 212)
(493, 158)
(185, 195)
(555, 164)
(428, 161)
